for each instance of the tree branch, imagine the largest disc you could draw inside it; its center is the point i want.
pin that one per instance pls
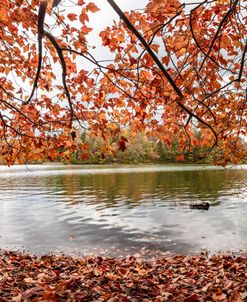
(222, 23)
(160, 65)
(41, 19)
(242, 63)
(64, 73)
(146, 46)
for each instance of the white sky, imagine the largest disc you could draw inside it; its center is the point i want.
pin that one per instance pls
(100, 20)
(103, 18)
(107, 14)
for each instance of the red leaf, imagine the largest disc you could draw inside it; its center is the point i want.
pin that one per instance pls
(192, 298)
(72, 17)
(122, 143)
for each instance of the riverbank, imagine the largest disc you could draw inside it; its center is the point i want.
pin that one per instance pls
(218, 277)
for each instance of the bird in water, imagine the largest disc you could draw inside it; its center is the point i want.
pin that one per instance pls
(200, 206)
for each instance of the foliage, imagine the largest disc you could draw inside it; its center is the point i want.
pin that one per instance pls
(140, 148)
(134, 149)
(175, 67)
(178, 278)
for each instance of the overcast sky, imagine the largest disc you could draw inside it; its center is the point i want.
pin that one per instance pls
(106, 15)
(103, 18)
(100, 20)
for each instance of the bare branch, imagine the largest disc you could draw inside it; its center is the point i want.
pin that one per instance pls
(41, 19)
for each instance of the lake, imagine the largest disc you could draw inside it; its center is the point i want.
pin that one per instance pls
(122, 209)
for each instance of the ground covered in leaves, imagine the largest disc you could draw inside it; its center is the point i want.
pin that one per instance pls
(172, 278)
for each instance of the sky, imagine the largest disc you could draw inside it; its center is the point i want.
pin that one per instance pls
(103, 18)
(100, 20)
(106, 15)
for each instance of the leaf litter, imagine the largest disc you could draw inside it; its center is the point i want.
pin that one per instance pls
(217, 278)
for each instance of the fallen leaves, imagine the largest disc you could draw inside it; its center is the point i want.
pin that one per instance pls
(179, 278)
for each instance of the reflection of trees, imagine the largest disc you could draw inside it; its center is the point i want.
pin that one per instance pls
(132, 188)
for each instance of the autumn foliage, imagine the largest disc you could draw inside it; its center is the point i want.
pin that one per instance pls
(174, 68)
(201, 278)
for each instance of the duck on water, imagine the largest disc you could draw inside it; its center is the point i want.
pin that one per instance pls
(200, 206)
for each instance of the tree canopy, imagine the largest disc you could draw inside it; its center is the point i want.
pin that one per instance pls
(176, 69)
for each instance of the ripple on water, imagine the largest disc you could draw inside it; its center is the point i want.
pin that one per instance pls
(66, 208)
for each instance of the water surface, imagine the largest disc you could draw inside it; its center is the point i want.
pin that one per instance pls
(118, 210)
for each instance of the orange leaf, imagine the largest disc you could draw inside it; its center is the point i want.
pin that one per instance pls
(72, 17)
(4, 18)
(92, 7)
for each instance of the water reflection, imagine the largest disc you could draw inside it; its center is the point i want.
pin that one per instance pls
(122, 209)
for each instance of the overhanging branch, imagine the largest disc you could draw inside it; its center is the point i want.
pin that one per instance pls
(178, 91)
(146, 46)
(41, 19)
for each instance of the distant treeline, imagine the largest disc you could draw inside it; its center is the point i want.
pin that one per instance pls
(141, 149)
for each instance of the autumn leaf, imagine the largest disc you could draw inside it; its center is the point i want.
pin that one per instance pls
(72, 17)
(122, 143)
(92, 7)
(4, 17)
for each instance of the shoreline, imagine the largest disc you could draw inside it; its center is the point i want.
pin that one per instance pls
(202, 277)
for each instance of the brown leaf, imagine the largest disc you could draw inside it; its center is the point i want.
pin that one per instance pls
(192, 298)
(219, 296)
(235, 297)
